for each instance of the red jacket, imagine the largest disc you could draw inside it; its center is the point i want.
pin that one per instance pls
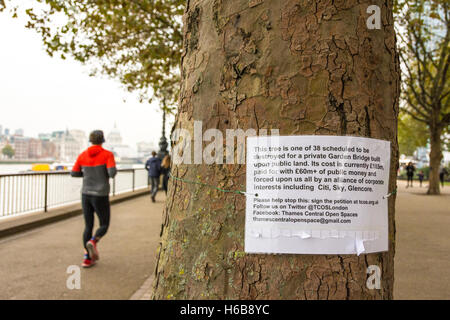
(96, 165)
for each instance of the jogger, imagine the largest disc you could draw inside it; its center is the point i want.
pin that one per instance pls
(96, 166)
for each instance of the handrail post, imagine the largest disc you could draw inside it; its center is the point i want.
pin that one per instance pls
(46, 192)
(133, 178)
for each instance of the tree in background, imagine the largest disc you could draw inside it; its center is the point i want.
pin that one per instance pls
(305, 68)
(8, 151)
(135, 41)
(411, 134)
(424, 51)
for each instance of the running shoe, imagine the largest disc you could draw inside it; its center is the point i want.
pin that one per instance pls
(87, 263)
(91, 247)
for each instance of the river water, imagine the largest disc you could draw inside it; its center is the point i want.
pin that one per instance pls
(14, 168)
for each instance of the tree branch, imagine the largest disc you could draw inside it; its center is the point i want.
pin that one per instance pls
(415, 117)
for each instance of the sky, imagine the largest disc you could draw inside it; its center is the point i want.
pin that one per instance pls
(41, 94)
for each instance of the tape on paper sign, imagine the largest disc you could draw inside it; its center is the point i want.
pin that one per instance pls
(317, 195)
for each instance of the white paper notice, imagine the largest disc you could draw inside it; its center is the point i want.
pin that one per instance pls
(317, 195)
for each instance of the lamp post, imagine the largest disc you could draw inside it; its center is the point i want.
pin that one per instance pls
(163, 141)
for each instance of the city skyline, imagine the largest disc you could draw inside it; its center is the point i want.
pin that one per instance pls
(60, 93)
(22, 132)
(66, 145)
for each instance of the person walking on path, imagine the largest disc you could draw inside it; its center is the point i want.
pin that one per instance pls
(410, 174)
(442, 173)
(153, 166)
(96, 166)
(165, 171)
(420, 175)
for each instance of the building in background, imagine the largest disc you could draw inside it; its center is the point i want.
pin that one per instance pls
(62, 146)
(49, 151)
(67, 148)
(114, 143)
(114, 138)
(21, 146)
(34, 148)
(144, 147)
(44, 136)
(81, 137)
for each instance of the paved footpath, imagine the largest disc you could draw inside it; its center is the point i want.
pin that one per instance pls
(422, 259)
(34, 264)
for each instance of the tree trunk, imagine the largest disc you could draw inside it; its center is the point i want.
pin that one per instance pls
(305, 67)
(435, 159)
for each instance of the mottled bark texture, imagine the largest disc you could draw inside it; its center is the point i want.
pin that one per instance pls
(303, 67)
(435, 158)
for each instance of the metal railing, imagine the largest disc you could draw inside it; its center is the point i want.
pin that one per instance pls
(40, 191)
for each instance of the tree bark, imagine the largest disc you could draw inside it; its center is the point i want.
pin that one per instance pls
(305, 67)
(435, 159)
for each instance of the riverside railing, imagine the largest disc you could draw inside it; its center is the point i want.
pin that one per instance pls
(40, 191)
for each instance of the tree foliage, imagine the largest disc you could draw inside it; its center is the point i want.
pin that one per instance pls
(424, 31)
(424, 52)
(411, 134)
(138, 42)
(8, 151)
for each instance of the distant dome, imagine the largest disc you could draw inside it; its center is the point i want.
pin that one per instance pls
(115, 130)
(114, 137)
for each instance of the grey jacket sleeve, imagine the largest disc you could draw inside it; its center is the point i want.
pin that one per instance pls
(76, 174)
(112, 172)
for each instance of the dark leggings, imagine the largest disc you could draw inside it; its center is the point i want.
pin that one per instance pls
(101, 206)
(410, 178)
(165, 182)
